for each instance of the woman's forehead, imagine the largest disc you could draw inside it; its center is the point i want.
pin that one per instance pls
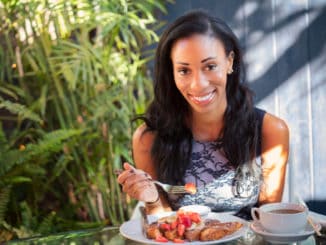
(199, 45)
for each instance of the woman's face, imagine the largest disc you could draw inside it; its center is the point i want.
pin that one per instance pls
(200, 68)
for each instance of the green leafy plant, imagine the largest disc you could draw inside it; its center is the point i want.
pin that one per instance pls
(74, 74)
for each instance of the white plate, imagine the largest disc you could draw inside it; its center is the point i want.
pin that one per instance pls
(132, 230)
(283, 238)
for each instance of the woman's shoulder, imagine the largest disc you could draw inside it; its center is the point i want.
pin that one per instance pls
(142, 138)
(142, 131)
(274, 123)
(274, 127)
(142, 142)
(270, 122)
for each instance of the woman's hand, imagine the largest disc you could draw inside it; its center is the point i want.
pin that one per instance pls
(138, 184)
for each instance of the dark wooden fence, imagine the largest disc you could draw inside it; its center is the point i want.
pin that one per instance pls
(285, 55)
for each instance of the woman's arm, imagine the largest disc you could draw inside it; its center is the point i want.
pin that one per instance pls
(275, 151)
(142, 145)
(141, 150)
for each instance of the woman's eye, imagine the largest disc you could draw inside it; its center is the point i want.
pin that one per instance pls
(183, 71)
(211, 67)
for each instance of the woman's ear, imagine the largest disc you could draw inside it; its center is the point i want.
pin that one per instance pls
(230, 61)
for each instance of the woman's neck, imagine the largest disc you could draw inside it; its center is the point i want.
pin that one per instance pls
(207, 127)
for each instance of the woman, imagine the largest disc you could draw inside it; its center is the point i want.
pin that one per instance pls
(202, 126)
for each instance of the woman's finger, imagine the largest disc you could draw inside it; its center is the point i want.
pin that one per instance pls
(124, 175)
(131, 186)
(143, 191)
(132, 175)
(131, 178)
(128, 166)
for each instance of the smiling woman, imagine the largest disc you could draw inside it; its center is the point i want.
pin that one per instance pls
(202, 126)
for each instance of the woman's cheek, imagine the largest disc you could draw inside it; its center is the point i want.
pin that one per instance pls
(181, 84)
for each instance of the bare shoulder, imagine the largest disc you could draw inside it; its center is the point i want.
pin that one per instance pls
(275, 152)
(273, 125)
(275, 140)
(142, 138)
(142, 142)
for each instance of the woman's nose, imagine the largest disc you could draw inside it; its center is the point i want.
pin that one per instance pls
(199, 81)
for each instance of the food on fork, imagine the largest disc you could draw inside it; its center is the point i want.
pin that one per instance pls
(191, 188)
(187, 225)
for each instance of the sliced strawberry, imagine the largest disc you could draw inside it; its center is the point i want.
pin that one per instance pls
(161, 239)
(173, 225)
(181, 229)
(195, 217)
(186, 220)
(165, 226)
(180, 218)
(191, 188)
(178, 240)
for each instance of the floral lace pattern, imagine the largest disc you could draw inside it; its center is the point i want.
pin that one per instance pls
(214, 178)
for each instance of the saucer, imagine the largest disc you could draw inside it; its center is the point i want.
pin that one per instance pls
(283, 237)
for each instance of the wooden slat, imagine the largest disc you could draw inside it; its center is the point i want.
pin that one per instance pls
(317, 65)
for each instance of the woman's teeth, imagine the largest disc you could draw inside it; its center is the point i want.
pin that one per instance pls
(203, 98)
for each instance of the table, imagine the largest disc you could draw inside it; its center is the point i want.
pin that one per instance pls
(112, 236)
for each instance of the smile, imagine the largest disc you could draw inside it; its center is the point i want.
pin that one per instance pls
(203, 99)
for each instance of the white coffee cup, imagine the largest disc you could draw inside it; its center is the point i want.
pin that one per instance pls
(281, 217)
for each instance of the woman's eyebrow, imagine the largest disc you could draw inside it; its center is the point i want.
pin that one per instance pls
(203, 61)
(182, 63)
(208, 58)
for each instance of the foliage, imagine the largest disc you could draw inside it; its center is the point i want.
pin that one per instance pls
(73, 75)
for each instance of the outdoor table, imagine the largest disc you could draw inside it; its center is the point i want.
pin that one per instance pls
(112, 236)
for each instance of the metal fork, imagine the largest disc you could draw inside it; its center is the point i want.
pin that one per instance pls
(173, 189)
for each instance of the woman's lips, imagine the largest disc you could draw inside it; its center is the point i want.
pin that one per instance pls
(205, 99)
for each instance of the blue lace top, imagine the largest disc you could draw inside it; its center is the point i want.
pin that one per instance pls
(214, 178)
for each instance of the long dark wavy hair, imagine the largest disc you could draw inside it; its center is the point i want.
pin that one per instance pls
(167, 113)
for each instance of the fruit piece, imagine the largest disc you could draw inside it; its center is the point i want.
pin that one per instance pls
(165, 226)
(191, 188)
(161, 239)
(178, 240)
(181, 229)
(173, 225)
(186, 220)
(195, 217)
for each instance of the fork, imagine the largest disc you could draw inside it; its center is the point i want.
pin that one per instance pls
(173, 189)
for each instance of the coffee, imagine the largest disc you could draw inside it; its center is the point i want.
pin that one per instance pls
(285, 211)
(281, 217)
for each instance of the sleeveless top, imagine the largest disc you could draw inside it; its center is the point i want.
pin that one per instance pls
(214, 178)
